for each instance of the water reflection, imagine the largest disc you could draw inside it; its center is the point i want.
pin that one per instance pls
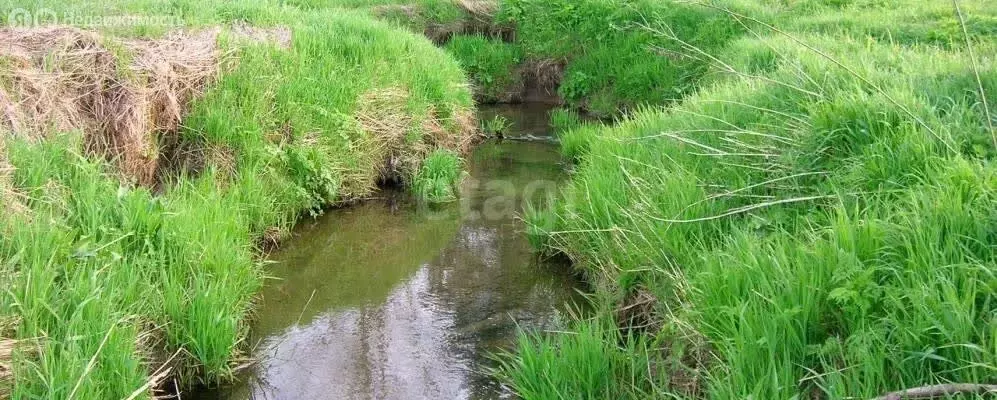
(393, 300)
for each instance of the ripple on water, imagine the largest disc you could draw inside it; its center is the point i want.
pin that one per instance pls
(394, 300)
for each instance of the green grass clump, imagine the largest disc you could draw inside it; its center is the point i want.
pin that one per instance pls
(82, 231)
(491, 63)
(437, 19)
(586, 364)
(809, 227)
(575, 142)
(904, 22)
(564, 119)
(439, 177)
(540, 222)
(496, 126)
(573, 133)
(105, 277)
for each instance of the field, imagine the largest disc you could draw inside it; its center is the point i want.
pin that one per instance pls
(785, 199)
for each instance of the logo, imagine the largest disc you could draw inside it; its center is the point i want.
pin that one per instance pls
(25, 18)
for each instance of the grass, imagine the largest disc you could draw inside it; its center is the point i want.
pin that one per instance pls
(491, 63)
(816, 220)
(587, 364)
(797, 200)
(439, 177)
(564, 119)
(496, 126)
(612, 63)
(108, 279)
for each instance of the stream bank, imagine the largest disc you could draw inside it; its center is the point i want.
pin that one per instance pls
(392, 298)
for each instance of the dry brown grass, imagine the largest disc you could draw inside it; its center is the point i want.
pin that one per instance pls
(480, 18)
(6, 351)
(123, 95)
(6, 348)
(480, 9)
(400, 141)
(281, 35)
(383, 117)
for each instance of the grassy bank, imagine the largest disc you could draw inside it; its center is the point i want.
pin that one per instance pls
(814, 220)
(115, 287)
(594, 56)
(798, 199)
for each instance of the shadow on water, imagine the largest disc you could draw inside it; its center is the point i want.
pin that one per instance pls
(391, 299)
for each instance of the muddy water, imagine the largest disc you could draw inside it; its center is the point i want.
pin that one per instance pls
(392, 299)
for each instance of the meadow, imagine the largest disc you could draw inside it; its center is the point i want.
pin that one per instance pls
(786, 199)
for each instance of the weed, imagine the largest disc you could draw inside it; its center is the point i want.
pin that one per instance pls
(612, 63)
(438, 178)
(497, 126)
(540, 222)
(586, 363)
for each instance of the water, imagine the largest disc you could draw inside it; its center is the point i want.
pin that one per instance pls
(392, 299)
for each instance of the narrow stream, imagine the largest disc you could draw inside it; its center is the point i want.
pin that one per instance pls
(392, 299)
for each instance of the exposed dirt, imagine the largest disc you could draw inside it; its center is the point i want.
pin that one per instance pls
(541, 79)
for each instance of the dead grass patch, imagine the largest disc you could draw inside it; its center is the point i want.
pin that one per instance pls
(123, 95)
(281, 35)
(383, 116)
(398, 141)
(6, 374)
(637, 314)
(7, 326)
(480, 19)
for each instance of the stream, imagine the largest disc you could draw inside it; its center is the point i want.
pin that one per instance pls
(393, 299)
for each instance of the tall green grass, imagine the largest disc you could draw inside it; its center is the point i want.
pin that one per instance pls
(587, 364)
(110, 281)
(491, 63)
(612, 63)
(438, 179)
(816, 221)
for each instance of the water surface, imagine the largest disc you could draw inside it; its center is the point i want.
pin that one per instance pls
(392, 299)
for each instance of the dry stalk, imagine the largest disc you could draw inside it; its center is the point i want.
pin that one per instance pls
(940, 391)
(387, 123)
(6, 373)
(976, 72)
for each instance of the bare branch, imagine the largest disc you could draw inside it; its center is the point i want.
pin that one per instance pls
(936, 391)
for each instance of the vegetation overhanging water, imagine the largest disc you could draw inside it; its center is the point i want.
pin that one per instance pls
(396, 299)
(795, 199)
